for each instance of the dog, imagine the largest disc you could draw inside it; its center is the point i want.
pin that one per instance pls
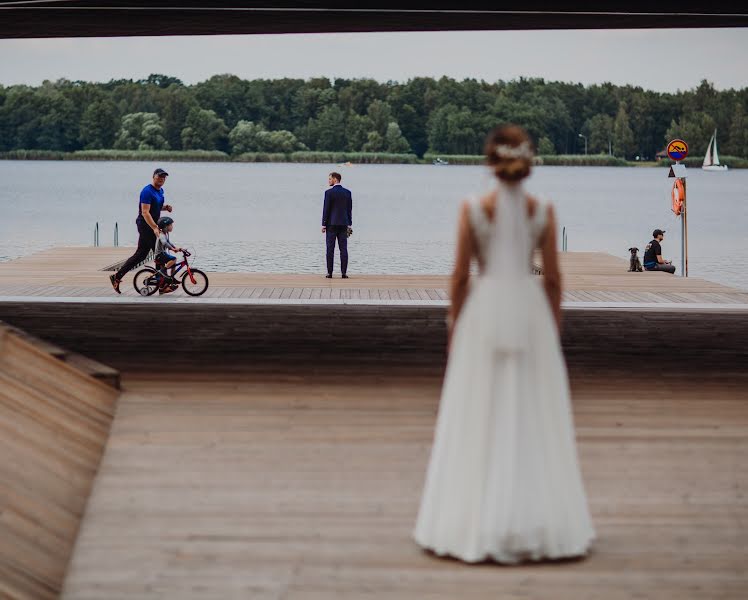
(635, 264)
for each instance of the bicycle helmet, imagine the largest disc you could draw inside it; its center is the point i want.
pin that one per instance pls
(164, 222)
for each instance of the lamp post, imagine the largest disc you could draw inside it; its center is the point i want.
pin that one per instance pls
(585, 143)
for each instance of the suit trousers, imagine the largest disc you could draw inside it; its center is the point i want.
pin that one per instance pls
(339, 233)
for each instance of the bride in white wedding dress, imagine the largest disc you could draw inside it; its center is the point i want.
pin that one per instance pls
(503, 482)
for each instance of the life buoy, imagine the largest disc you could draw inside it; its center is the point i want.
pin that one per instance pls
(678, 195)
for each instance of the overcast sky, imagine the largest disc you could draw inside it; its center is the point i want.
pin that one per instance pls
(656, 59)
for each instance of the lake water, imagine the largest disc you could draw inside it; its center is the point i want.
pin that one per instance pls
(266, 217)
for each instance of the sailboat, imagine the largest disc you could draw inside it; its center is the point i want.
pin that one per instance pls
(711, 160)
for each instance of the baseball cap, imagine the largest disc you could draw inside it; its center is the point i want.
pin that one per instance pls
(160, 171)
(657, 232)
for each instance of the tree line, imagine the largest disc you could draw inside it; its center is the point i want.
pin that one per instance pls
(439, 116)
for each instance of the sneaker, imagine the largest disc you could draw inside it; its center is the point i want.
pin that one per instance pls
(167, 289)
(115, 282)
(345, 276)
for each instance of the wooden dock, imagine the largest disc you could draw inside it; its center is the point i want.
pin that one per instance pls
(63, 296)
(280, 450)
(588, 278)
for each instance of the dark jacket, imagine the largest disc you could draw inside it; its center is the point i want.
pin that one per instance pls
(338, 208)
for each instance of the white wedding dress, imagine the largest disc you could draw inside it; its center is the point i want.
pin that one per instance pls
(503, 482)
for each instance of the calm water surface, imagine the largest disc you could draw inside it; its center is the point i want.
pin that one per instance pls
(266, 217)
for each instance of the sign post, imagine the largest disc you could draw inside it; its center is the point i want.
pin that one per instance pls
(677, 150)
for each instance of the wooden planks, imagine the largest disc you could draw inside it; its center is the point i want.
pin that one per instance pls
(302, 481)
(54, 423)
(588, 277)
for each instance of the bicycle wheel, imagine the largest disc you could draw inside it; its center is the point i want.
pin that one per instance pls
(145, 282)
(200, 283)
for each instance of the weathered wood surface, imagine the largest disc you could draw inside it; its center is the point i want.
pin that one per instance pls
(84, 364)
(54, 423)
(303, 481)
(376, 317)
(588, 277)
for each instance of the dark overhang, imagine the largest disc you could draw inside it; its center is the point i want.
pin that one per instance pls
(104, 18)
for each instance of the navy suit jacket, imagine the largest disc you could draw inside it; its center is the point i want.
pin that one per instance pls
(338, 208)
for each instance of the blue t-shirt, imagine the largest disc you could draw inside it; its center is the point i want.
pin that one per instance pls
(150, 195)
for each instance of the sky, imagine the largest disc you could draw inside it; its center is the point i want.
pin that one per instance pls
(664, 60)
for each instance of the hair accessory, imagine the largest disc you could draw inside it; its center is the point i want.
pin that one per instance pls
(524, 150)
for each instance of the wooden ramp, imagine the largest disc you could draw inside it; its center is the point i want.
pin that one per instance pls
(302, 482)
(54, 424)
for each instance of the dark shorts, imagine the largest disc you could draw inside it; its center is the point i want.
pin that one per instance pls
(162, 258)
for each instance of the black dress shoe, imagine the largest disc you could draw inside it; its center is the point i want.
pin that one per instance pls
(328, 276)
(345, 276)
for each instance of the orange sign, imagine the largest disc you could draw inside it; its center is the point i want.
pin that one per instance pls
(677, 150)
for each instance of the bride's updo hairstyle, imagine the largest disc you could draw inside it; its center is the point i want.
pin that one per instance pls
(509, 153)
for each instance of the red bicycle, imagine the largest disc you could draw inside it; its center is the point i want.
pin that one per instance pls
(148, 280)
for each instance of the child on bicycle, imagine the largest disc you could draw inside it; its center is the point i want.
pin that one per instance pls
(165, 261)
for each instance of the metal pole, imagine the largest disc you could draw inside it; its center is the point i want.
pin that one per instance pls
(116, 235)
(96, 234)
(685, 231)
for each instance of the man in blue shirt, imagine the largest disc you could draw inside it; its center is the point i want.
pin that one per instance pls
(150, 206)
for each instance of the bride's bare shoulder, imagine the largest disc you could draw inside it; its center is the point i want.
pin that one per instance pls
(488, 203)
(532, 205)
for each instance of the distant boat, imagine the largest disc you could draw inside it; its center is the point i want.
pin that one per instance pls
(711, 160)
(439, 161)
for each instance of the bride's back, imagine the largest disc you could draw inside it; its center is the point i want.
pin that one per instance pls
(507, 226)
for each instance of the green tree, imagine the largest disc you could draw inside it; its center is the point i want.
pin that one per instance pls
(737, 141)
(204, 130)
(623, 137)
(141, 131)
(599, 129)
(546, 147)
(374, 143)
(452, 131)
(394, 140)
(327, 132)
(162, 81)
(243, 137)
(438, 129)
(173, 105)
(357, 128)
(278, 141)
(99, 124)
(695, 129)
(232, 98)
(380, 114)
(356, 95)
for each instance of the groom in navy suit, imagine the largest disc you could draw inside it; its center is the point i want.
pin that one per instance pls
(337, 221)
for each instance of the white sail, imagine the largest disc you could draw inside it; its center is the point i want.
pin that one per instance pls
(708, 157)
(715, 156)
(711, 160)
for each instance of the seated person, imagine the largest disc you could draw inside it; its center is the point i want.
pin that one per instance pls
(164, 260)
(653, 260)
